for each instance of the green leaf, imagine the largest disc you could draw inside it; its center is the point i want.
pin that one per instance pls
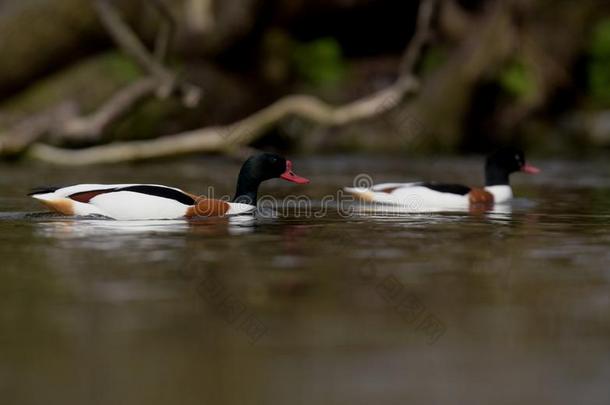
(598, 70)
(517, 80)
(319, 62)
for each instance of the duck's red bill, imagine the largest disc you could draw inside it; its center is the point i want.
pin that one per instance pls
(529, 169)
(290, 176)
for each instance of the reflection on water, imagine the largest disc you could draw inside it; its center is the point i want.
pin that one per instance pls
(83, 228)
(498, 306)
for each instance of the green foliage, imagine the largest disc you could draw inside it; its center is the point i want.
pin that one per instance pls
(599, 65)
(147, 121)
(89, 82)
(320, 62)
(516, 79)
(119, 66)
(434, 58)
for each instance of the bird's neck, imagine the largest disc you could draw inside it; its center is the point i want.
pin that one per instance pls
(495, 176)
(247, 189)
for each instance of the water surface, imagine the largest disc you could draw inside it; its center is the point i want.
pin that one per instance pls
(478, 308)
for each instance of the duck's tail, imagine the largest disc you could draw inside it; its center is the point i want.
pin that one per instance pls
(41, 193)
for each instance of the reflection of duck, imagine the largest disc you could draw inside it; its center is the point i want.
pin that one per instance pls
(422, 196)
(89, 231)
(151, 201)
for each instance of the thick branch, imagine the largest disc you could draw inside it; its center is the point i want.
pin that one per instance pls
(216, 139)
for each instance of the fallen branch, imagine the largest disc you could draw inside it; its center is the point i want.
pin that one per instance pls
(222, 138)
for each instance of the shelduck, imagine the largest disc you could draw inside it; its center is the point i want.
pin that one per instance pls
(152, 201)
(423, 196)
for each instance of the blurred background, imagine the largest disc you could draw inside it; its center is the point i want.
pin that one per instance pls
(528, 72)
(504, 306)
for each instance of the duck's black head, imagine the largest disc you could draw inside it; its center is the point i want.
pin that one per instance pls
(501, 164)
(259, 168)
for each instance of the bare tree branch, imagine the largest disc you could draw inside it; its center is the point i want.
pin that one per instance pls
(421, 37)
(32, 129)
(129, 43)
(92, 127)
(63, 122)
(217, 139)
(223, 138)
(166, 31)
(127, 40)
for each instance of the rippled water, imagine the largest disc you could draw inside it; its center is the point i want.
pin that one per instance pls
(499, 307)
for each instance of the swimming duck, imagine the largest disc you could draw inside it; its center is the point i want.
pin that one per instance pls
(420, 196)
(152, 201)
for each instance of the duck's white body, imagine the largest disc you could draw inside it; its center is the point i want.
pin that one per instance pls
(419, 197)
(153, 201)
(422, 197)
(121, 202)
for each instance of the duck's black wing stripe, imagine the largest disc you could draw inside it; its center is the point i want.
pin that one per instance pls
(163, 192)
(43, 190)
(448, 188)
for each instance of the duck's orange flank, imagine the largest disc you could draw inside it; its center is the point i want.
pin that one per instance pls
(480, 196)
(207, 207)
